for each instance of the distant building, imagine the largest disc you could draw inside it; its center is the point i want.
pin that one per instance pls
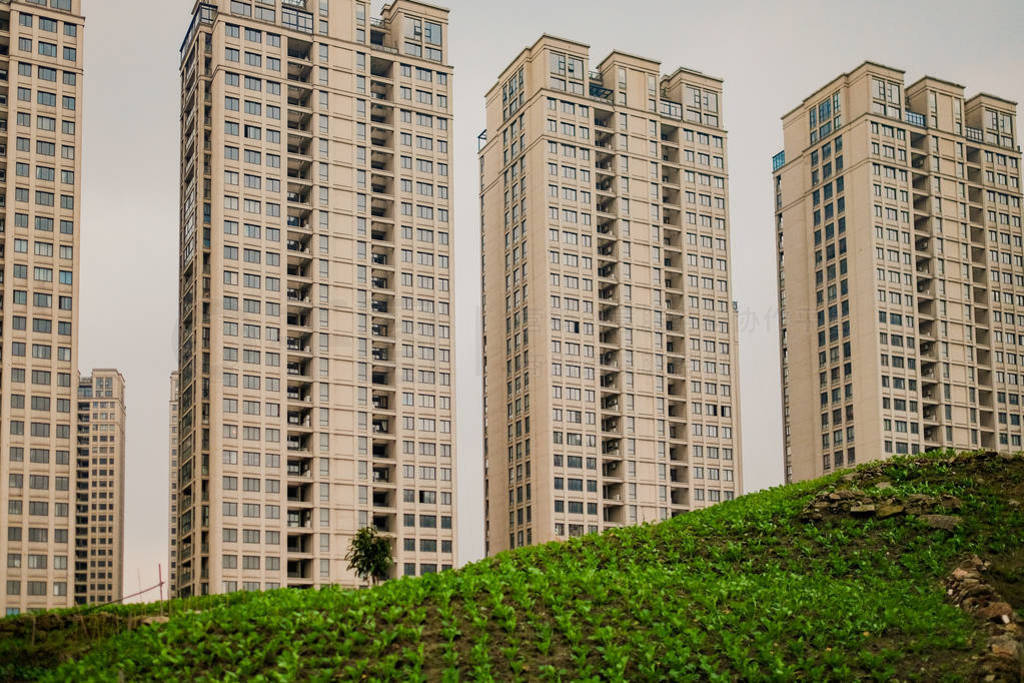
(610, 335)
(100, 494)
(316, 352)
(898, 220)
(172, 505)
(41, 97)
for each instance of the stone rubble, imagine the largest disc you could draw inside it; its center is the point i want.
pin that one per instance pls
(932, 510)
(967, 588)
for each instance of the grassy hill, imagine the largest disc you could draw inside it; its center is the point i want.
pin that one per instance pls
(841, 578)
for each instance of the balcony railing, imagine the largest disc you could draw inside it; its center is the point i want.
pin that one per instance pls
(915, 119)
(600, 92)
(673, 110)
(975, 134)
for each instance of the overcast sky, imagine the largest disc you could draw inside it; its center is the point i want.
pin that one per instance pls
(771, 55)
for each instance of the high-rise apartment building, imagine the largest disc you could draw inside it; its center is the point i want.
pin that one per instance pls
(99, 484)
(609, 330)
(898, 220)
(172, 500)
(40, 155)
(316, 373)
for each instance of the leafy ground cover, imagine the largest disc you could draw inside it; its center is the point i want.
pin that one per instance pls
(751, 589)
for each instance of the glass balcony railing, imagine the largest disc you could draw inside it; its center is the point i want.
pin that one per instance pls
(915, 119)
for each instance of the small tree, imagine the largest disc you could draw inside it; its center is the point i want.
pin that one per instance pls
(370, 555)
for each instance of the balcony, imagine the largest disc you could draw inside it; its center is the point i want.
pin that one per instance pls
(382, 523)
(299, 146)
(297, 395)
(299, 469)
(381, 160)
(379, 67)
(915, 119)
(299, 72)
(378, 36)
(383, 499)
(299, 544)
(381, 137)
(299, 296)
(599, 92)
(673, 110)
(299, 420)
(297, 247)
(381, 184)
(612, 494)
(300, 572)
(380, 90)
(299, 49)
(612, 470)
(299, 97)
(300, 122)
(297, 320)
(299, 519)
(382, 208)
(298, 344)
(298, 222)
(298, 370)
(300, 493)
(299, 180)
(298, 271)
(298, 197)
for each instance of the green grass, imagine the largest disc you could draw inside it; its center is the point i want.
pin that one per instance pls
(743, 590)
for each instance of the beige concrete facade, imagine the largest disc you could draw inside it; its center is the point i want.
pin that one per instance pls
(609, 330)
(898, 221)
(316, 353)
(171, 574)
(41, 57)
(100, 494)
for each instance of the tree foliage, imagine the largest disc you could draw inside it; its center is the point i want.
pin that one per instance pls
(370, 555)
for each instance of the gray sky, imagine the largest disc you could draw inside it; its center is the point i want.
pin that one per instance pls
(771, 55)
